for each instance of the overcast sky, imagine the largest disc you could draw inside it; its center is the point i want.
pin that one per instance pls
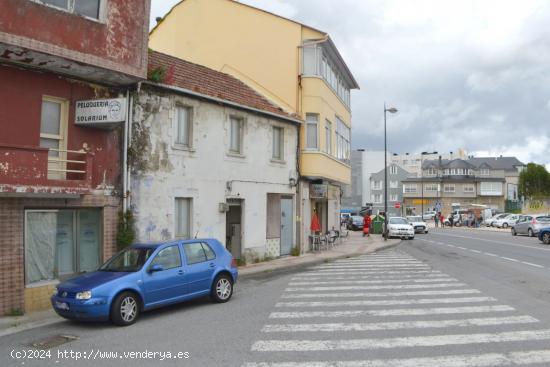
(463, 73)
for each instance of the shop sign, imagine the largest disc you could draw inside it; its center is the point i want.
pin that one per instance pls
(100, 111)
(420, 201)
(318, 191)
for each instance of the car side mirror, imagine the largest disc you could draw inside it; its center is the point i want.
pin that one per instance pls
(155, 268)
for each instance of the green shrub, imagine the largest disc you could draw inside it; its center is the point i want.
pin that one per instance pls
(126, 229)
(295, 251)
(241, 262)
(15, 312)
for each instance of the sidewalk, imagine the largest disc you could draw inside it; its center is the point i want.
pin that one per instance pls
(354, 245)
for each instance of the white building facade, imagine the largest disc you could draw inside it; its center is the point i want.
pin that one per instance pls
(212, 168)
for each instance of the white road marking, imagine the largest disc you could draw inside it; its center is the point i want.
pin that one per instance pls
(476, 251)
(374, 261)
(366, 287)
(394, 312)
(377, 281)
(509, 259)
(380, 294)
(392, 302)
(422, 276)
(498, 242)
(366, 266)
(402, 342)
(477, 360)
(531, 264)
(373, 271)
(334, 327)
(462, 248)
(490, 254)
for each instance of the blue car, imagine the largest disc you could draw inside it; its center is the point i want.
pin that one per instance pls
(145, 276)
(544, 235)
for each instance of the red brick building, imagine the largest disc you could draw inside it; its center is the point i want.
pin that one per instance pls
(61, 181)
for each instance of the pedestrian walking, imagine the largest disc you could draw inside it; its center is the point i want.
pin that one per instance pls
(441, 219)
(436, 220)
(451, 220)
(366, 225)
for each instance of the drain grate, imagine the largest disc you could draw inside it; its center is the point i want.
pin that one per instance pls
(53, 341)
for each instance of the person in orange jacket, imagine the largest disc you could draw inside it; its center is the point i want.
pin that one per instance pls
(366, 225)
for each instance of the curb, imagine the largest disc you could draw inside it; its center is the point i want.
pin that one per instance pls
(298, 267)
(29, 325)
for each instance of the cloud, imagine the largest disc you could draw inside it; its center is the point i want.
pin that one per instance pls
(463, 73)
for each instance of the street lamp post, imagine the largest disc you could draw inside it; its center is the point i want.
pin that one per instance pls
(390, 110)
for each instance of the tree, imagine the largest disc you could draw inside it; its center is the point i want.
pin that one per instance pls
(126, 229)
(534, 182)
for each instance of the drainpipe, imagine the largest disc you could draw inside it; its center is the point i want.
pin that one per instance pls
(125, 154)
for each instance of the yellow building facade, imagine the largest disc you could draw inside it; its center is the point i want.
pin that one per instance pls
(296, 67)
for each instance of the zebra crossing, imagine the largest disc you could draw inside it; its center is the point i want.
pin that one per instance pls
(389, 309)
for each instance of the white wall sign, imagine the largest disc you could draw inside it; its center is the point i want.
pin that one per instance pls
(100, 111)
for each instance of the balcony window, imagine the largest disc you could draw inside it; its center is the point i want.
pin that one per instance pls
(469, 188)
(53, 135)
(409, 188)
(312, 122)
(491, 188)
(316, 63)
(343, 138)
(431, 188)
(328, 137)
(449, 188)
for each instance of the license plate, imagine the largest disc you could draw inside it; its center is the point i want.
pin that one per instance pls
(61, 305)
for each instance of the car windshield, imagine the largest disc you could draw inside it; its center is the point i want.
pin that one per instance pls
(357, 217)
(128, 260)
(414, 219)
(398, 221)
(544, 219)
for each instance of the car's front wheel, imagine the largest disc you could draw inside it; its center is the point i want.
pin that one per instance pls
(504, 225)
(514, 231)
(546, 238)
(222, 288)
(125, 309)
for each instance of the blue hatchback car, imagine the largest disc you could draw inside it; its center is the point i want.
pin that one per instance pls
(145, 276)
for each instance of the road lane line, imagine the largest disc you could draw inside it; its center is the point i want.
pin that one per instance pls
(509, 259)
(366, 287)
(476, 251)
(398, 325)
(397, 276)
(478, 360)
(369, 266)
(392, 302)
(497, 242)
(393, 312)
(531, 264)
(490, 254)
(379, 294)
(401, 342)
(462, 248)
(341, 272)
(379, 281)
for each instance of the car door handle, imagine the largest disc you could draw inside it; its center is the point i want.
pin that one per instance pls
(181, 272)
(212, 265)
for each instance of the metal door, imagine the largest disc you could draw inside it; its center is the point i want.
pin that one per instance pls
(286, 225)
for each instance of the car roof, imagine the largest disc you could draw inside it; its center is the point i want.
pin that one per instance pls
(156, 244)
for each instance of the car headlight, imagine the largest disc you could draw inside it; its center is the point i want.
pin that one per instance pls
(55, 291)
(84, 295)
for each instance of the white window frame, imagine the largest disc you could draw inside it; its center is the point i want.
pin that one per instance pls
(377, 198)
(491, 188)
(178, 144)
(328, 137)
(394, 184)
(177, 218)
(410, 188)
(469, 188)
(431, 187)
(377, 185)
(431, 172)
(312, 125)
(101, 14)
(57, 164)
(394, 197)
(393, 170)
(281, 132)
(449, 188)
(240, 150)
(484, 172)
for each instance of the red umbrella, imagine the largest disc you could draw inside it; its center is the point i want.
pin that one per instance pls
(315, 226)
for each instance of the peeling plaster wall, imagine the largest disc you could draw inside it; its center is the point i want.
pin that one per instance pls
(162, 172)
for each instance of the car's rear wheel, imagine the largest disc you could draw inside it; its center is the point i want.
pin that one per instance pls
(514, 233)
(530, 233)
(504, 225)
(125, 309)
(546, 238)
(222, 288)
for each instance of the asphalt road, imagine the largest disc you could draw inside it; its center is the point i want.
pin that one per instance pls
(453, 297)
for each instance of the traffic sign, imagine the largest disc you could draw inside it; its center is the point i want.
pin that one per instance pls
(397, 205)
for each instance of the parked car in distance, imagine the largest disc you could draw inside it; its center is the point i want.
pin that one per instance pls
(507, 221)
(418, 224)
(429, 215)
(146, 276)
(400, 227)
(489, 221)
(530, 224)
(355, 223)
(456, 220)
(544, 235)
(344, 217)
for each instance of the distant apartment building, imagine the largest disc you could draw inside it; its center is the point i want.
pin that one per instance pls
(352, 194)
(396, 175)
(297, 67)
(460, 183)
(412, 162)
